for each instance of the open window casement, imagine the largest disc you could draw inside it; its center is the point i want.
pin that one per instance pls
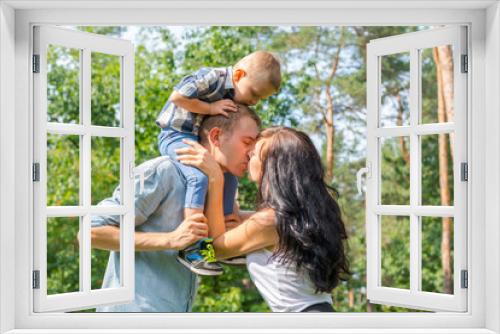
(73, 136)
(417, 107)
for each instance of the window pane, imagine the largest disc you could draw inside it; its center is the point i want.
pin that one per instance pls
(395, 170)
(437, 170)
(63, 255)
(105, 167)
(99, 257)
(437, 254)
(395, 90)
(395, 244)
(105, 106)
(63, 84)
(63, 167)
(434, 83)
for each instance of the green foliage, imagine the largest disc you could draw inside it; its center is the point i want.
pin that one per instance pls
(62, 255)
(231, 292)
(161, 60)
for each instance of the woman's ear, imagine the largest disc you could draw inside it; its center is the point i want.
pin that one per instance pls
(238, 74)
(214, 137)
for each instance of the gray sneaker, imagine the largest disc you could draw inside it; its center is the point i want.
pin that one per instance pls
(191, 258)
(235, 261)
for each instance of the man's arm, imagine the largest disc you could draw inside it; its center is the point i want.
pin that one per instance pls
(158, 182)
(191, 230)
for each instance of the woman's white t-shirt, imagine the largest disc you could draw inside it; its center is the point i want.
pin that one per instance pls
(283, 287)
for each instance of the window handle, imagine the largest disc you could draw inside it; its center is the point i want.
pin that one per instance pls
(359, 177)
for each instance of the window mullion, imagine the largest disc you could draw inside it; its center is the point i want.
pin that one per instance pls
(372, 185)
(421, 210)
(127, 158)
(415, 263)
(78, 129)
(86, 163)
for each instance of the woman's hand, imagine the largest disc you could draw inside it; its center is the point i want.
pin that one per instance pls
(198, 156)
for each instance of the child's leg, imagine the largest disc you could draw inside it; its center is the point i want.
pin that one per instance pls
(196, 180)
(230, 188)
(196, 191)
(164, 138)
(196, 183)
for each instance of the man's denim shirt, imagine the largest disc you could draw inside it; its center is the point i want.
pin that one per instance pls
(161, 283)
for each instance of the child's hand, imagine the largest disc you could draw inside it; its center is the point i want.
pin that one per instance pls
(222, 107)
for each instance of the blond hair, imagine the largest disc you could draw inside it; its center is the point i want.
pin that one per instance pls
(262, 66)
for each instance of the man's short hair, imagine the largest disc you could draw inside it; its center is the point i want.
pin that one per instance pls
(226, 124)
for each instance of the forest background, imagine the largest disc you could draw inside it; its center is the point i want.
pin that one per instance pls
(323, 93)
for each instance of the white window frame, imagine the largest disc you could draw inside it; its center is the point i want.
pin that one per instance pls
(413, 43)
(16, 19)
(86, 44)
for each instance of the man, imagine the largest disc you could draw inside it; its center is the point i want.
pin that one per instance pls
(161, 283)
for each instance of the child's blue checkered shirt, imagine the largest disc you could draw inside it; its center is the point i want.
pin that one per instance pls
(208, 85)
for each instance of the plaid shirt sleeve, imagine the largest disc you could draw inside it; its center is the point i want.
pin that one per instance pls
(198, 84)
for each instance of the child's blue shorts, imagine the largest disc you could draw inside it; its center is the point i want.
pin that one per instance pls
(170, 140)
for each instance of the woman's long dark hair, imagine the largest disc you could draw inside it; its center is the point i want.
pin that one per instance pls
(308, 219)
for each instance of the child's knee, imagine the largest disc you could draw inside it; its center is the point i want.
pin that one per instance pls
(197, 180)
(196, 190)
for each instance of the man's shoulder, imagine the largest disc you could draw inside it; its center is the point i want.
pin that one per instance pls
(163, 167)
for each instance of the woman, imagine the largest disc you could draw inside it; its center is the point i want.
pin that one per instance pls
(295, 240)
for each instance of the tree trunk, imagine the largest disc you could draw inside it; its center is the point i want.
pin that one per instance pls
(399, 122)
(328, 116)
(443, 182)
(351, 298)
(330, 136)
(369, 307)
(445, 56)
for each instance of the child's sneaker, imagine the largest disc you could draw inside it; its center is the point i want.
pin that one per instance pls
(235, 261)
(200, 258)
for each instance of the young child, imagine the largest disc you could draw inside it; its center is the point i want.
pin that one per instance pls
(212, 91)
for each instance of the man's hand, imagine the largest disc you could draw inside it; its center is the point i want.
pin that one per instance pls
(189, 231)
(222, 107)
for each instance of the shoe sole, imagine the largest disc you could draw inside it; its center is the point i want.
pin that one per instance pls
(198, 271)
(238, 264)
